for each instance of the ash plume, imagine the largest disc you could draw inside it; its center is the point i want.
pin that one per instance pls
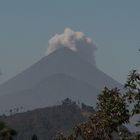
(75, 41)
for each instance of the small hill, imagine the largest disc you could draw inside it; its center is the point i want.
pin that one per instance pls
(46, 122)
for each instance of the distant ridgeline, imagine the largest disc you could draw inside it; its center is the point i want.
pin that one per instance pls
(66, 101)
(46, 122)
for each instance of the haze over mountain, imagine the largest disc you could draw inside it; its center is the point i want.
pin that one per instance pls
(64, 72)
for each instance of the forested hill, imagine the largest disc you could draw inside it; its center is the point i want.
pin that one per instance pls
(46, 122)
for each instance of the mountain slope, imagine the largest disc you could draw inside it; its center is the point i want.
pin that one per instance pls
(49, 91)
(61, 61)
(61, 74)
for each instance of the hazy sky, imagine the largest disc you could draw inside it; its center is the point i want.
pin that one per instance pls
(27, 25)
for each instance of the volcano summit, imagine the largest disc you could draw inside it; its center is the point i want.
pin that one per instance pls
(65, 72)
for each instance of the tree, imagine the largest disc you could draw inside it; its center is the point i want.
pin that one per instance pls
(68, 101)
(110, 115)
(87, 108)
(113, 109)
(133, 95)
(34, 137)
(133, 91)
(6, 133)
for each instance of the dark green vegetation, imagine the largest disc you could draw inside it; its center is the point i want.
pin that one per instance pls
(6, 133)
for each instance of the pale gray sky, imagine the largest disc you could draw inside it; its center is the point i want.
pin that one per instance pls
(26, 26)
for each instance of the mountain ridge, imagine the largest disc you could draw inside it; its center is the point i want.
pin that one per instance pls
(61, 53)
(75, 77)
(46, 122)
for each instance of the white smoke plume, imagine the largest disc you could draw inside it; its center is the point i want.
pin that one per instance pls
(76, 41)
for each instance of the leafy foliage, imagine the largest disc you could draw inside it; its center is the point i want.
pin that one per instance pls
(133, 91)
(114, 108)
(111, 113)
(6, 133)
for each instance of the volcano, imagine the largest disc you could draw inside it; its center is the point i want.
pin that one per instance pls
(59, 75)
